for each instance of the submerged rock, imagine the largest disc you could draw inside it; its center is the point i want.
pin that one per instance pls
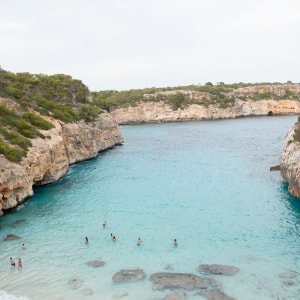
(10, 237)
(129, 275)
(86, 292)
(19, 223)
(95, 263)
(75, 283)
(164, 281)
(288, 282)
(175, 296)
(214, 294)
(288, 275)
(218, 269)
(120, 295)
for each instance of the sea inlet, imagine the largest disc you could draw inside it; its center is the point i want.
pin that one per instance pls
(206, 184)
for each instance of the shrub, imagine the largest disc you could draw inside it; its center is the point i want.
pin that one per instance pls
(10, 153)
(37, 121)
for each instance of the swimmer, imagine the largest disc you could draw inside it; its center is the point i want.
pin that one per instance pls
(139, 241)
(23, 246)
(86, 240)
(104, 224)
(12, 263)
(174, 241)
(111, 235)
(20, 264)
(114, 238)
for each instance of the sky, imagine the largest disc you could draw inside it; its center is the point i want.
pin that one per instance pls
(130, 44)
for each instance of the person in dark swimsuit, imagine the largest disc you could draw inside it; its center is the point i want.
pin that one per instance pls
(174, 241)
(12, 263)
(104, 224)
(86, 240)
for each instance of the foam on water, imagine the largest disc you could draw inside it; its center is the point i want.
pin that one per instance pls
(207, 184)
(5, 296)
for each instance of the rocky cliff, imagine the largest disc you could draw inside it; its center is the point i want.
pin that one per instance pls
(49, 159)
(290, 160)
(155, 112)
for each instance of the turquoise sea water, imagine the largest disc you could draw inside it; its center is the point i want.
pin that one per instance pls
(207, 184)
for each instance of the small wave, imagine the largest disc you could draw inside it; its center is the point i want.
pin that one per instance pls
(5, 296)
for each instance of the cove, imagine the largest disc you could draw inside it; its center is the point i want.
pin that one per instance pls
(208, 184)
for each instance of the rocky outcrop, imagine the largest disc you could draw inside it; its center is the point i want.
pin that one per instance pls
(290, 160)
(163, 281)
(156, 112)
(49, 159)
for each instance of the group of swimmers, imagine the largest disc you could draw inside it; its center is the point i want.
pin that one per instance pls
(13, 264)
(139, 241)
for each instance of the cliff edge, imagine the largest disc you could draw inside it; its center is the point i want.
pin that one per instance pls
(156, 112)
(290, 160)
(49, 159)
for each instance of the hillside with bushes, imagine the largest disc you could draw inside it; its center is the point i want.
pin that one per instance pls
(221, 95)
(25, 98)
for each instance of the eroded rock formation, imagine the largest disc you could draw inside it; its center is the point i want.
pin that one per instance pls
(290, 160)
(49, 159)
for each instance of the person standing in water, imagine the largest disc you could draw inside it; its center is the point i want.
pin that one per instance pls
(20, 264)
(23, 246)
(174, 241)
(12, 263)
(114, 239)
(104, 224)
(139, 241)
(86, 240)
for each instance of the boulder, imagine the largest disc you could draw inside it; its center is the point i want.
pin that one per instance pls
(164, 281)
(175, 296)
(95, 263)
(10, 237)
(214, 294)
(218, 269)
(129, 275)
(75, 283)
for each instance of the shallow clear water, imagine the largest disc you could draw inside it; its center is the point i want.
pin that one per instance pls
(207, 184)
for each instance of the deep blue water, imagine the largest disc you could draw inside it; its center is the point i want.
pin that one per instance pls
(208, 184)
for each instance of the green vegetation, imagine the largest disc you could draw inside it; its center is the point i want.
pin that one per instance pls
(59, 96)
(11, 153)
(37, 121)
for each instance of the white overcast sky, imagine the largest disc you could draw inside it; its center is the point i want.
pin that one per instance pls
(127, 44)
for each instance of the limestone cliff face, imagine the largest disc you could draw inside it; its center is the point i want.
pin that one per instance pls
(290, 160)
(49, 159)
(155, 112)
